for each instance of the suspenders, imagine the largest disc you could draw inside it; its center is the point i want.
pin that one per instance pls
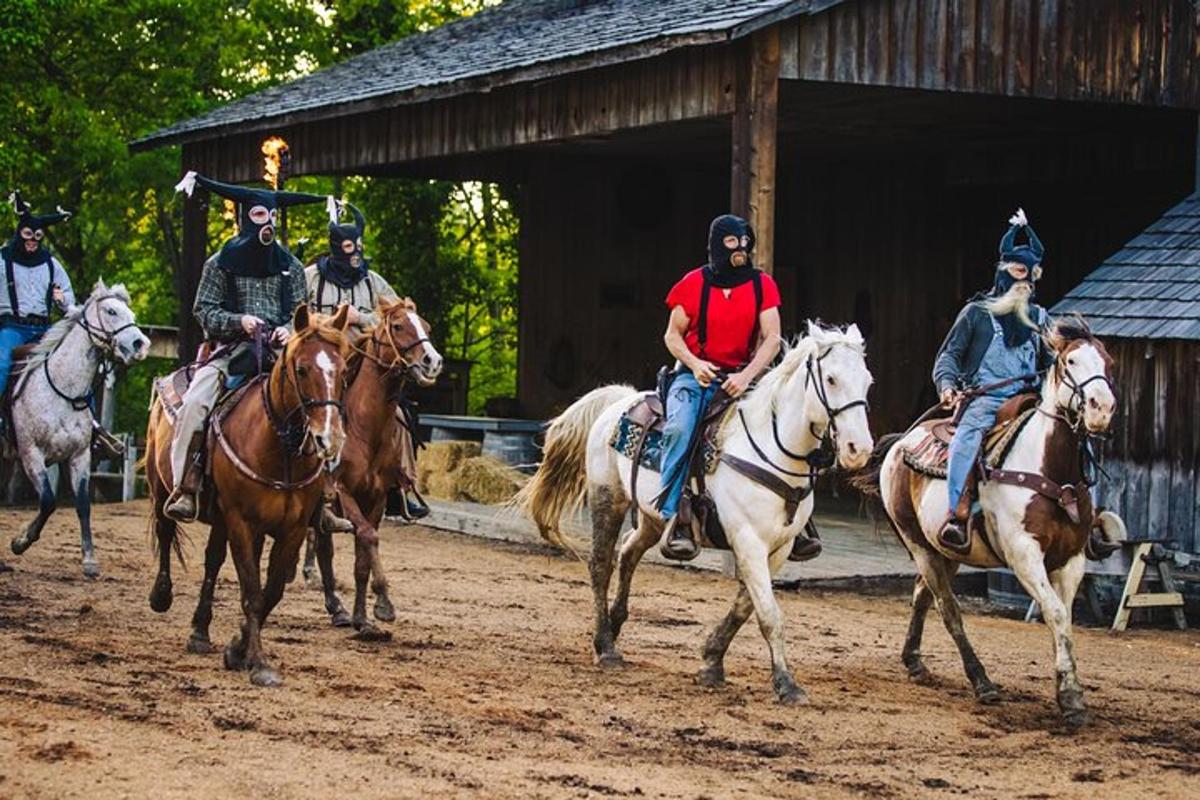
(321, 304)
(702, 326)
(12, 287)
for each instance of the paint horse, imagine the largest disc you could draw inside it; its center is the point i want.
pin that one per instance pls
(814, 399)
(1036, 508)
(269, 448)
(51, 403)
(396, 349)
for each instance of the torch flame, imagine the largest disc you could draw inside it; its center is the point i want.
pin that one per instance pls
(274, 150)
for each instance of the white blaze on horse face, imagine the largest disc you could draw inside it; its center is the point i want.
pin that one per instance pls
(1084, 363)
(847, 380)
(325, 364)
(433, 360)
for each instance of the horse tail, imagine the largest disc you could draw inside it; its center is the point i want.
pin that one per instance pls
(560, 483)
(866, 480)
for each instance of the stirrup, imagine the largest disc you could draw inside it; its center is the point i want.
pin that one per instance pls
(415, 508)
(181, 506)
(804, 548)
(332, 523)
(679, 546)
(106, 445)
(955, 545)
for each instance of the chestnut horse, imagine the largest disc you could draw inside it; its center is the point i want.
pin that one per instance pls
(286, 434)
(393, 351)
(1041, 539)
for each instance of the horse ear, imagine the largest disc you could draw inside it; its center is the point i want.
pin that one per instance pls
(300, 319)
(342, 318)
(382, 304)
(854, 334)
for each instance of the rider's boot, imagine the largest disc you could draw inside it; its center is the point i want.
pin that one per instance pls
(415, 506)
(182, 506)
(955, 534)
(328, 520)
(679, 540)
(807, 544)
(106, 446)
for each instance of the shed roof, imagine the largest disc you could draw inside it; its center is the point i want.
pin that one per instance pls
(1150, 289)
(517, 40)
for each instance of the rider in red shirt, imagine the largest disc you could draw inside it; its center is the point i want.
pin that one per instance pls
(724, 331)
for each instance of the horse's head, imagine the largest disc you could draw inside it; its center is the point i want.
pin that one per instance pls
(401, 341)
(111, 323)
(1082, 376)
(836, 383)
(310, 377)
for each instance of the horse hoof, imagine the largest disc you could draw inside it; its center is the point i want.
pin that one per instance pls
(340, 618)
(987, 694)
(384, 610)
(611, 660)
(370, 633)
(161, 595)
(789, 693)
(1077, 718)
(201, 646)
(311, 580)
(91, 568)
(711, 677)
(19, 545)
(920, 675)
(266, 677)
(234, 657)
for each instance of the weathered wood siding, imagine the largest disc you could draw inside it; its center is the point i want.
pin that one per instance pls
(1129, 51)
(1153, 460)
(689, 84)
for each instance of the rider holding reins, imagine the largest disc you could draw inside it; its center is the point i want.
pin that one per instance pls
(993, 352)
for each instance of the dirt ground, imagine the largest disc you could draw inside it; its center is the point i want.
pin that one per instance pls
(488, 689)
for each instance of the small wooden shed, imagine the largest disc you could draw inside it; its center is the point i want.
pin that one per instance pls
(878, 146)
(1144, 302)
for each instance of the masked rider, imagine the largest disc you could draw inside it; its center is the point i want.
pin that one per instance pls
(343, 275)
(995, 350)
(251, 283)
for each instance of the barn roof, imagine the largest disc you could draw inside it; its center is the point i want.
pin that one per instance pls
(516, 41)
(1150, 289)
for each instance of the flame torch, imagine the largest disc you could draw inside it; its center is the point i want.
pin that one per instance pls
(276, 160)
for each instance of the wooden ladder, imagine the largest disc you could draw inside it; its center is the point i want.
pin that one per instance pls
(1152, 553)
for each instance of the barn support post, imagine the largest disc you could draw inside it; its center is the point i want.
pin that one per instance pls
(1198, 153)
(755, 135)
(187, 280)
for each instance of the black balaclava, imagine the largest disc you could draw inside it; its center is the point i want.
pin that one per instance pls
(254, 252)
(15, 249)
(345, 266)
(719, 269)
(1017, 333)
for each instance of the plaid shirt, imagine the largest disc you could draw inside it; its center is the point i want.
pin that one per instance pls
(221, 315)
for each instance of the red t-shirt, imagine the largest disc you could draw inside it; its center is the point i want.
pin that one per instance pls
(730, 319)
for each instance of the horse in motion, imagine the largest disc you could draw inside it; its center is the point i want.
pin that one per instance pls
(51, 406)
(814, 400)
(1036, 506)
(269, 452)
(391, 353)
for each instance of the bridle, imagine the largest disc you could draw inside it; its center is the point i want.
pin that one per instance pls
(101, 338)
(399, 362)
(1073, 417)
(291, 431)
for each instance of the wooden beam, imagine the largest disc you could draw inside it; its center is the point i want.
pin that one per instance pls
(195, 247)
(755, 139)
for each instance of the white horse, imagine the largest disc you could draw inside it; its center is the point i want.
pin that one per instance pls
(816, 394)
(51, 416)
(1027, 529)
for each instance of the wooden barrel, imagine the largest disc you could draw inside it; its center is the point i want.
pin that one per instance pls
(515, 448)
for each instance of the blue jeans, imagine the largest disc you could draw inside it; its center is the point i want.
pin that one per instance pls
(976, 421)
(686, 404)
(13, 334)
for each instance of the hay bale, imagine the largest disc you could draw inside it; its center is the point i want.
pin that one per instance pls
(441, 485)
(445, 457)
(485, 479)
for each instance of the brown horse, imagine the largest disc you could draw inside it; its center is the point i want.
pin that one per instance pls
(395, 350)
(287, 429)
(1037, 511)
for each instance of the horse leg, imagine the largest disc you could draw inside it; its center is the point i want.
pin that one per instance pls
(636, 544)
(712, 674)
(755, 568)
(81, 472)
(310, 559)
(384, 611)
(362, 574)
(1026, 559)
(338, 616)
(936, 572)
(214, 558)
(607, 514)
(165, 531)
(244, 648)
(282, 563)
(922, 599)
(1066, 580)
(35, 468)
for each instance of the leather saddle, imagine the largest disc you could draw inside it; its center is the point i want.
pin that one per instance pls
(930, 456)
(20, 360)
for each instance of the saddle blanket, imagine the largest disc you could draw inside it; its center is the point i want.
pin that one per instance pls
(625, 436)
(931, 455)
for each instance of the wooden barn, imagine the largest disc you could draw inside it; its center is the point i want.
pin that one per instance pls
(878, 146)
(1144, 302)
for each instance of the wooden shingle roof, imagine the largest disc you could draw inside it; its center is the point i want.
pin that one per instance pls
(1151, 288)
(515, 41)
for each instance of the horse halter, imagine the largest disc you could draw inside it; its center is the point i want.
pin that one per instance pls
(284, 426)
(1078, 398)
(100, 335)
(399, 361)
(816, 376)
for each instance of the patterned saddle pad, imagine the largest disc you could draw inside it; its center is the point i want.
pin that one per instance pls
(648, 413)
(931, 455)
(170, 389)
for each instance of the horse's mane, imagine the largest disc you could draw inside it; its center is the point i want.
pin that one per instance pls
(53, 337)
(1066, 330)
(761, 402)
